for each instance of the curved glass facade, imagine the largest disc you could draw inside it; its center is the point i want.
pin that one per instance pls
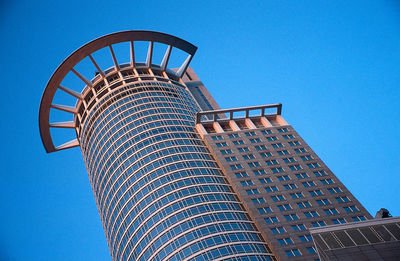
(160, 194)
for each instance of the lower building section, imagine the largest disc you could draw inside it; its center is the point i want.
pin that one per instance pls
(372, 240)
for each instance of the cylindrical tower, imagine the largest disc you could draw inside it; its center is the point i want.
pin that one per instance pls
(160, 194)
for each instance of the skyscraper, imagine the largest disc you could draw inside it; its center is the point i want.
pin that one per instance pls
(159, 192)
(175, 177)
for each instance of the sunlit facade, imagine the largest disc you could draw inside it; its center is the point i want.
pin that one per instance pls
(159, 192)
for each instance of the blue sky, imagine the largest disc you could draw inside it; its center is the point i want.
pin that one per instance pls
(333, 64)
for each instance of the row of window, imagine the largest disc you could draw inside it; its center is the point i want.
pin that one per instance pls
(257, 140)
(272, 162)
(302, 227)
(291, 186)
(253, 133)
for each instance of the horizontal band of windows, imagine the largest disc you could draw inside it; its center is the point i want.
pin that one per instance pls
(221, 238)
(186, 163)
(246, 257)
(176, 206)
(170, 168)
(115, 135)
(132, 115)
(200, 230)
(109, 174)
(140, 215)
(145, 144)
(152, 198)
(139, 108)
(135, 129)
(158, 232)
(139, 143)
(122, 93)
(160, 174)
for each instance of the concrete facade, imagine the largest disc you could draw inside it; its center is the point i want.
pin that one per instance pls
(285, 186)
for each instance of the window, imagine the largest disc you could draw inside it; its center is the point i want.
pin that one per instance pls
(246, 182)
(248, 156)
(305, 238)
(276, 170)
(238, 142)
(350, 209)
(290, 186)
(266, 154)
(227, 151)
(254, 164)
(271, 162)
(288, 136)
(307, 184)
(293, 252)
(323, 202)
(259, 172)
(250, 133)
(270, 220)
(315, 193)
(236, 166)
(300, 150)
(318, 223)
(216, 137)
(252, 191)
(284, 207)
(271, 189)
(298, 227)
(311, 214)
(255, 140)
(278, 198)
(297, 195)
(264, 210)
(320, 173)
(302, 175)
(272, 138)
(295, 167)
(230, 159)
(311, 250)
(243, 149)
(288, 160)
(331, 211)
(291, 217)
(326, 181)
(338, 221)
(342, 199)
(306, 157)
(358, 218)
(221, 144)
(265, 180)
(258, 200)
(304, 204)
(266, 132)
(294, 143)
(260, 147)
(278, 230)
(334, 190)
(282, 130)
(285, 241)
(241, 174)
(283, 152)
(313, 165)
(283, 178)
(277, 145)
(233, 135)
